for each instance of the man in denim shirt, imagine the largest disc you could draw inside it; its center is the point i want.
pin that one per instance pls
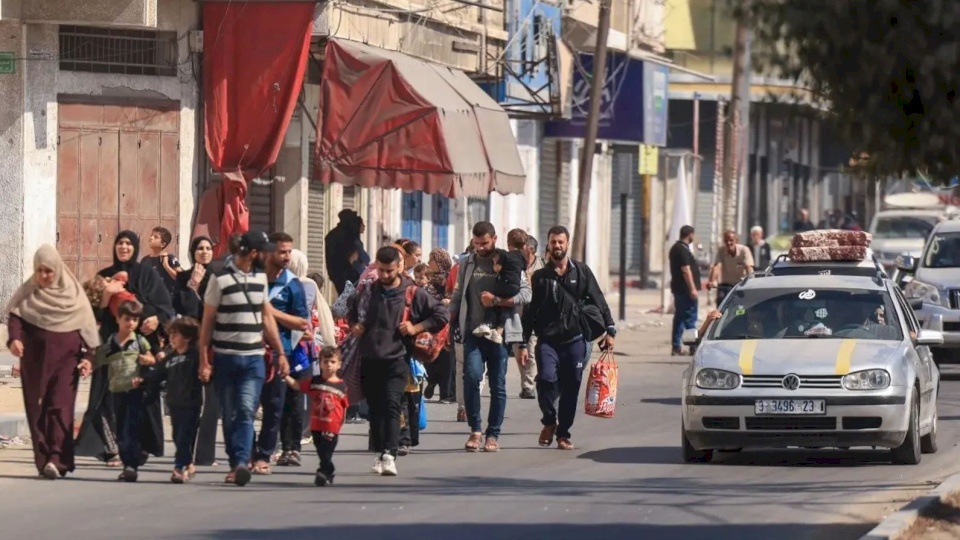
(288, 302)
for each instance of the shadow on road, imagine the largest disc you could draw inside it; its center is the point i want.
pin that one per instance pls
(662, 401)
(565, 531)
(661, 455)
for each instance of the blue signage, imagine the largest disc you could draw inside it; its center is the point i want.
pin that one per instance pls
(530, 62)
(633, 106)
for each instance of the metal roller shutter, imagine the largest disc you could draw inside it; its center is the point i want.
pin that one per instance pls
(547, 197)
(350, 197)
(564, 216)
(625, 170)
(260, 203)
(316, 225)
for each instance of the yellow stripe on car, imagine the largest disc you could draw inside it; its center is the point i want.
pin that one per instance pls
(844, 355)
(747, 350)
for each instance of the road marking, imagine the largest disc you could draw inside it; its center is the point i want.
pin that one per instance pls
(747, 349)
(844, 355)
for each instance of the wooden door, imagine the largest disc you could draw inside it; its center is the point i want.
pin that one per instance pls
(117, 167)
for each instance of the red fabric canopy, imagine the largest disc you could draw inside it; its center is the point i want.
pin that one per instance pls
(254, 58)
(393, 121)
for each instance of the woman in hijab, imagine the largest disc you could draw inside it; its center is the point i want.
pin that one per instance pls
(52, 328)
(440, 372)
(188, 302)
(97, 433)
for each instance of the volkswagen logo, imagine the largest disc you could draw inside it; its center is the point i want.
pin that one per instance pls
(791, 382)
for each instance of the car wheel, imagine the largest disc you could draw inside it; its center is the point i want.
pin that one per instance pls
(691, 454)
(928, 443)
(908, 453)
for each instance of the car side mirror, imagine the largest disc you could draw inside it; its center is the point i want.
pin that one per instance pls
(930, 337)
(906, 263)
(690, 336)
(935, 323)
(916, 304)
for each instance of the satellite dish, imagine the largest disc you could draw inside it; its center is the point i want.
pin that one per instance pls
(913, 200)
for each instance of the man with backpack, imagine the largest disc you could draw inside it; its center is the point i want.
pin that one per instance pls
(567, 313)
(395, 314)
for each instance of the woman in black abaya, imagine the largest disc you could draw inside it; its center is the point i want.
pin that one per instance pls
(98, 432)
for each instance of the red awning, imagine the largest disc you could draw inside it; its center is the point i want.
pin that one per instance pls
(254, 58)
(393, 121)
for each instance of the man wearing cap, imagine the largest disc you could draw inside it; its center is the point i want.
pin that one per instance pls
(236, 319)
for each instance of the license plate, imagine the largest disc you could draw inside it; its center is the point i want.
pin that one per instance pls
(790, 406)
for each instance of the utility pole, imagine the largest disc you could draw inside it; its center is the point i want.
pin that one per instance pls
(598, 79)
(731, 154)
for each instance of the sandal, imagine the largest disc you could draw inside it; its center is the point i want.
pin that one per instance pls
(546, 435)
(262, 468)
(473, 443)
(231, 477)
(564, 443)
(491, 445)
(178, 476)
(461, 415)
(114, 463)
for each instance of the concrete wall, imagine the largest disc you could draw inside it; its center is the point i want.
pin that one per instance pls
(28, 125)
(90, 12)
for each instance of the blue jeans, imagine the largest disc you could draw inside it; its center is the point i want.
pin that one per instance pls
(477, 353)
(186, 422)
(239, 380)
(559, 375)
(272, 395)
(129, 420)
(684, 317)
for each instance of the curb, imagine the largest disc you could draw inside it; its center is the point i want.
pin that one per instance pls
(15, 424)
(899, 522)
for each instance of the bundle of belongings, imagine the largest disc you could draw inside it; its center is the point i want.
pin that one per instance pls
(830, 245)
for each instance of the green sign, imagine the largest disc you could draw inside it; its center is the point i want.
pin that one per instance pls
(7, 63)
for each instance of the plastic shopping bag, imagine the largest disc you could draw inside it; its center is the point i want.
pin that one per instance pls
(423, 413)
(601, 400)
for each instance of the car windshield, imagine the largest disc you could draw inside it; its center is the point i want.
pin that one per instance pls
(807, 314)
(943, 251)
(903, 227)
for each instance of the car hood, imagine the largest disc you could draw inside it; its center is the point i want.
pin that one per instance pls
(824, 356)
(891, 247)
(942, 278)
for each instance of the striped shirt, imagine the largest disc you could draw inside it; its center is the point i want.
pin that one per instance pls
(239, 298)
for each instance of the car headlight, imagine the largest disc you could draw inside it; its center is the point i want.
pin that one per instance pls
(869, 379)
(928, 293)
(717, 379)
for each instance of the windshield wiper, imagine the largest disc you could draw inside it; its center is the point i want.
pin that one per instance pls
(748, 336)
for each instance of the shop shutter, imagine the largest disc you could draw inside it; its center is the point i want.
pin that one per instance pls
(563, 185)
(547, 197)
(411, 216)
(350, 198)
(625, 171)
(260, 203)
(441, 222)
(316, 226)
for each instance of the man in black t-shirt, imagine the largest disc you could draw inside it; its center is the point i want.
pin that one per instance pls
(684, 284)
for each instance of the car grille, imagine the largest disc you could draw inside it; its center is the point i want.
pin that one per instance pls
(954, 295)
(790, 423)
(721, 422)
(806, 381)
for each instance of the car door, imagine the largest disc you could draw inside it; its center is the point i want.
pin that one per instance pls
(926, 366)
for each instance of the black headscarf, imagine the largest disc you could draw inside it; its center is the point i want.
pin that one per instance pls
(143, 282)
(187, 302)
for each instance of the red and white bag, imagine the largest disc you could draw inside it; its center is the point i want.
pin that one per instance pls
(601, 399)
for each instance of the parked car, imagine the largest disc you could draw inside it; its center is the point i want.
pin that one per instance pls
(898, 232)
(814, 359)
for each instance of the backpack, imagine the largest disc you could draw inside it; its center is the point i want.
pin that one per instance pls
(426, 346)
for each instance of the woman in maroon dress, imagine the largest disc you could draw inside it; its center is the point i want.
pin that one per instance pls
(52, 328)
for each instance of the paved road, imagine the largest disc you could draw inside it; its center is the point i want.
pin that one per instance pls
(624, 481)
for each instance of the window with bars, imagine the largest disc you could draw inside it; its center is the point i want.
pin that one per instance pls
(119, 51)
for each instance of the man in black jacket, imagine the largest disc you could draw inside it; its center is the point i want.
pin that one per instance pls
(561, 289)
(384, 339)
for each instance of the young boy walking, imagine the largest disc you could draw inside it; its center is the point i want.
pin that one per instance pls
(328, 407)
(180, 366)
(128, 356)
(164, 264)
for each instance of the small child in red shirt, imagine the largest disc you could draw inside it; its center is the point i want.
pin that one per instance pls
(328, 408)
(109, 292)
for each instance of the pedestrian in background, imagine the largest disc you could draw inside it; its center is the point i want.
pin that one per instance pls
(759, 248)
(562, 290)
(528, 370)
(440, 373)
(685, 285)
(51, 329)
(732, 263)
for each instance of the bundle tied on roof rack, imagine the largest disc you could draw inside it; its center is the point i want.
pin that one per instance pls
(830, 245)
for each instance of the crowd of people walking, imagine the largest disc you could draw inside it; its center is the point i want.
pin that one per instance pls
(250, 335)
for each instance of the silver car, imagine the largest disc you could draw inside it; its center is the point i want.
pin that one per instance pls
(812, 361)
